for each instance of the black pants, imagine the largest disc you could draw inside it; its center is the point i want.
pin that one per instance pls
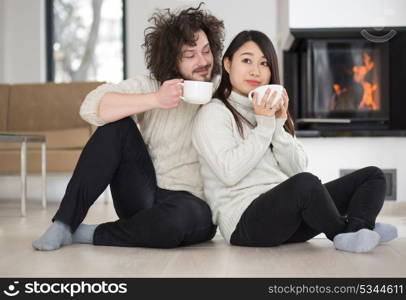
(302, 207)
(148, 215)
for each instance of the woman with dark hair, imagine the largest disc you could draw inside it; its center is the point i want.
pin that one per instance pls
(253, 166)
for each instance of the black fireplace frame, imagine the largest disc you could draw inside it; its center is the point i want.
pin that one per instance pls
(396, 59)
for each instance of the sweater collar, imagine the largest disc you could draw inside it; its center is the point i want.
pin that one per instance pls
(240, 99)
(243, 105)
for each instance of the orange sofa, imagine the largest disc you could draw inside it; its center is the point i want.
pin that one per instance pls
(44, 108)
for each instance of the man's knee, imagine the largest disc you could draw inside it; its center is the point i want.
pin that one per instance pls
(171, 234)
(189, 222)
(174, 235)
(118, 129)
(125, 122)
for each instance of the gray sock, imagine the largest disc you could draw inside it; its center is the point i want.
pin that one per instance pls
(57, 235)
(363, 240)
(84, 234)
(387, 232)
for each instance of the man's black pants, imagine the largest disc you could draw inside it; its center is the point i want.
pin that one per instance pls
(148, 215)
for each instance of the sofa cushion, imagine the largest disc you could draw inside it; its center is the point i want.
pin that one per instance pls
(47, 106)
(4, 95)
(74, 138)
(57, 161)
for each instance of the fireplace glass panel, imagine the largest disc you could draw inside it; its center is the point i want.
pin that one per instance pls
(347, 80)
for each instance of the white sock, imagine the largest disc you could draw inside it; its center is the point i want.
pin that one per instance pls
(364, 240)
(57, 235)
(84, 234)
(387, 232)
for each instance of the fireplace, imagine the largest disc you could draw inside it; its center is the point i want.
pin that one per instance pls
(339, 81)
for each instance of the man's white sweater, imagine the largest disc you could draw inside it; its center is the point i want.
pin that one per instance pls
(167, 134)
(235, 170)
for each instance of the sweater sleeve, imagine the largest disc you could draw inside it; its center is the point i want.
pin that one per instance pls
(230, 157)
(288, 151)
(90, 105)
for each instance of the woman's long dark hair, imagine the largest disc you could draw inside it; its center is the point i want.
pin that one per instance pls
(224, 89)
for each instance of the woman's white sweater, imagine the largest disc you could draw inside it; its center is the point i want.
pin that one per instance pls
(167, 133)
(235, 170)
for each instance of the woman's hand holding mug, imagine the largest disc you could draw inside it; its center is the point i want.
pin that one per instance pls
(283, 112)
(263, 107)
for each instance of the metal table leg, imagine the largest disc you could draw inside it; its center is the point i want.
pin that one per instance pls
(106, 195)
(23, 177)
(44, 174)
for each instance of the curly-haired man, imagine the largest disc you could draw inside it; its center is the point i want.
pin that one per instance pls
(152, 168)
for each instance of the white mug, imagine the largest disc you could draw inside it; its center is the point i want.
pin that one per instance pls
(260, 91)
(197, 92)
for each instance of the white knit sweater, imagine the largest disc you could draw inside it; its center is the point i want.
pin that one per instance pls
(167, 134)
(235, 170)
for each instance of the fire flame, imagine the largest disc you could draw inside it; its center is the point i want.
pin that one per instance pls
(360, 72)
(337, 89)
(368, 100)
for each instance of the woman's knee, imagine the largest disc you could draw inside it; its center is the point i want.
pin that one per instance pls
(375, 172)
(376, 175)
(307, 180)
(312, 191)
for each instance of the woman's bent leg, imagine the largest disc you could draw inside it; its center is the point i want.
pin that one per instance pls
(360, 196)
(275, 216)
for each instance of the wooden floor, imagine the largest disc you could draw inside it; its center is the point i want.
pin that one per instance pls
(316, 258)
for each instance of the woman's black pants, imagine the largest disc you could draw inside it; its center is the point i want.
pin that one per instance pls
(302, 207)
(148, 215)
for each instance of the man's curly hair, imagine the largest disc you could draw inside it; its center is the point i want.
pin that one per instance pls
(171, 30)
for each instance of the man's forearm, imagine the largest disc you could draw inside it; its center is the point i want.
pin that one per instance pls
(115, 106)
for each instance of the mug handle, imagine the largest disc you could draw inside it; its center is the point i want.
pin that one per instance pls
(182, 84)
(250, 94)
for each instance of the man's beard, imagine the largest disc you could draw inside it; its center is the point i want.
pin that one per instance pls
(206, 77)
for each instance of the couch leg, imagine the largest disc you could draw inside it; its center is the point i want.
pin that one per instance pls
(23, 177)
(44, 174)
